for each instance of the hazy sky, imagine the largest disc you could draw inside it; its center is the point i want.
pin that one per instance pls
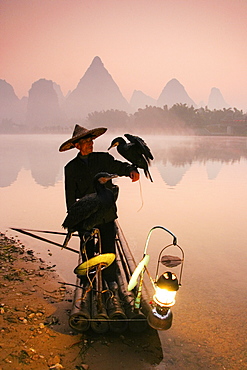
(142, 43)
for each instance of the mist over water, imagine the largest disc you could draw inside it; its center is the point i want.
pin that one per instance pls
(199, 193)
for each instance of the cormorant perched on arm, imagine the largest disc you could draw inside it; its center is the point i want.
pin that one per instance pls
(136, 152)
(89, 211)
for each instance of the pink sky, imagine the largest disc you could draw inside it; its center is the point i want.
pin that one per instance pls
(142, 43)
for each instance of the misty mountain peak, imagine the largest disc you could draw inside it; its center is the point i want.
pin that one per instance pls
(96, 71)
(96, 90)
(43, 106)
(10, 105)
(174, 82)
(97, 62)
(216, 100)
(141, 100)
(174, 85)
(7, 91)
(41, 85)
(173, 93)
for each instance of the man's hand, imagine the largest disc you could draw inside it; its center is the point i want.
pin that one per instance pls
(134, 175)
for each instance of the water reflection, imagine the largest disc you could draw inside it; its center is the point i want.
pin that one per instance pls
(186, 150)
(37, 153)
(206, 210)
(44, 162)
(173, 156)
(213, 169)
(172, 175)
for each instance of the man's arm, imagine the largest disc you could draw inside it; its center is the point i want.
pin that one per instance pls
(120, 168)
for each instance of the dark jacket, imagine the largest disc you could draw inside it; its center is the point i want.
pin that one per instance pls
(79, 176)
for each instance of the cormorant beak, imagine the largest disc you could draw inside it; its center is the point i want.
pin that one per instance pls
(104, 179)
(112, 146)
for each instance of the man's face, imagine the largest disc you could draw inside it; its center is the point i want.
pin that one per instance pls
(85, 146)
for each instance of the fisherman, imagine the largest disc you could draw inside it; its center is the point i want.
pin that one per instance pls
(79, 176)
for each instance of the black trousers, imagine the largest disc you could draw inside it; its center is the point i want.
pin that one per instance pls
(107, 235)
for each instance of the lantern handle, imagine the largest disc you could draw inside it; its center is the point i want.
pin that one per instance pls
(149, 235)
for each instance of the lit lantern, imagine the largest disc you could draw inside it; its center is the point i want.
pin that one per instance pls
(165, 286)
(166, 289)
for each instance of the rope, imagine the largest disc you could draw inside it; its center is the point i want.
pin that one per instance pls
(142, 203)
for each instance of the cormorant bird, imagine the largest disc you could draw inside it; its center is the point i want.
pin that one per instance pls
(136, 151)
(89, 211)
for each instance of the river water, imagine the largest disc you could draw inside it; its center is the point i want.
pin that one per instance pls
(199, 193)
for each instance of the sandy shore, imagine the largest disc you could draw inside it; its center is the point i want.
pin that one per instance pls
(34, 310)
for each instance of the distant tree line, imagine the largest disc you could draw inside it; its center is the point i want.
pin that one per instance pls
(177, 120)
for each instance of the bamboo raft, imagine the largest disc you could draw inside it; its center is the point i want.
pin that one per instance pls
(126, 304)
(103, 309)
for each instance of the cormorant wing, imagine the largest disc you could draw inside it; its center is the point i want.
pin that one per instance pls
(95, 219)
(141, 145)
(81, 210)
